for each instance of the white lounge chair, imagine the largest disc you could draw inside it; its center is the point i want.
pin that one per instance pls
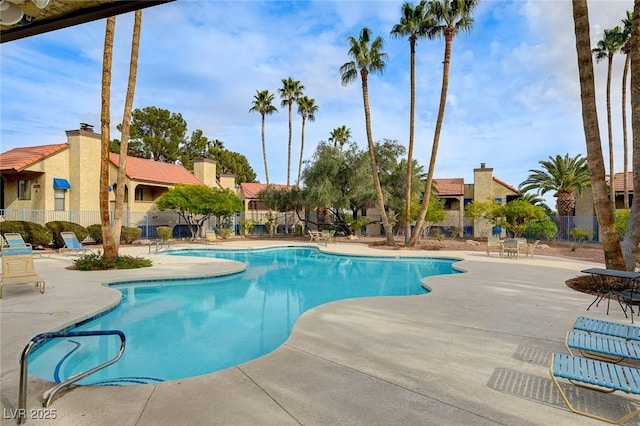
(17, 268)
(72, 244)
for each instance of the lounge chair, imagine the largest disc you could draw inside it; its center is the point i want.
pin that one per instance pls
(603, 348)
(72, 244)
(608, 328)
(17, 268)
(596, 375)
(532, 247)
(15, 240)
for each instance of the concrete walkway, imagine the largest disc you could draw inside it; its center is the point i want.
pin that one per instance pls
(476, 350)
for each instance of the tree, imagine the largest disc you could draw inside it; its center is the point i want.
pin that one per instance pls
(606, 48)
(483, 213)
(128, 105)
(517, 215)
(397, 187)
(415, 23)
(340, 135)
(157, 133)
(368, 58)
(626, 48)
(197, 146)
(262, 104)
(563, 176)
(197, 203)
(595, 162)
(290, 91)
(110, 248)
(451, 17)
(307, 108)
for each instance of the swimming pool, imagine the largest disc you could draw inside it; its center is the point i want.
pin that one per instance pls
(188, 327)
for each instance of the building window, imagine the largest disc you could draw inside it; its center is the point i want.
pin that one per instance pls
(58, 200)
(499, 200)
(363, 212)
(24, 189)
(139, 194)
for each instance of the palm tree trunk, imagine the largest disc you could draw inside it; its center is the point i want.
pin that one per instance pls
(264, 153)
(374, 163)
(126, 121)
(412, 111)
(609, 237)
(632, 235)
(109, 246)
(289, 149)
(304, 119)
(625, 145)
(612, 172)
(448, 41)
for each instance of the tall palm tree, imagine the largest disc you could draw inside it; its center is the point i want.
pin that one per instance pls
(126, 122)
(626, 47)
(563, 176)
(262, 103)
(307, 108)
(290, 91)
(110, 249)
(605, 49)
(451, 17)
(340, 135)
(595, 162)
(415, 23)
(367, 56)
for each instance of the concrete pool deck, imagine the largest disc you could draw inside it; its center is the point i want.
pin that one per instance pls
(476, 350)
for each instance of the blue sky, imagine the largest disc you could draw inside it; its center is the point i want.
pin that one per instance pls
(513, 95)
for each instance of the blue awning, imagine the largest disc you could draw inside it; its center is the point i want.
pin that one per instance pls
(59, 183)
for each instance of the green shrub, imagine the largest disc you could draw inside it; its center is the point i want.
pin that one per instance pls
(129, 235)
(224, 233)
(541, 230)
(621, 219)
(58, 226)
(164, 232)
(32, 233)
(95, 232)
(247, 226)
(97, 262)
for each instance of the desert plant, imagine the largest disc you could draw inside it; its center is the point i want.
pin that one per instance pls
(224, 232)
(129, 235)
(95, 232)
(621, 219)
(97, 262)
(578, 237)
(31, 232)
(58, 226)
(247, 226)
(164, 232)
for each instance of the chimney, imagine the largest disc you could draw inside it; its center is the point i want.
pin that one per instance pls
(482, 165)
(87, 127)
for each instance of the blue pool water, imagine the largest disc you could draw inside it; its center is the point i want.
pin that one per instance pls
(188, 327)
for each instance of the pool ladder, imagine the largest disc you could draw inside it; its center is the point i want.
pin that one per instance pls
(48, 395)
(158, 245)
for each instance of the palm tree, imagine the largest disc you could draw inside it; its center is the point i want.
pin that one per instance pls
(110, 249)
(262, 103)
(414, 23)
(563, 176)
(608, 234)
(451, 17)
(290, 91)
(340, 135)
(368, 58)
(307, 108)
(126, 122)
(606, 48)
(626, 47)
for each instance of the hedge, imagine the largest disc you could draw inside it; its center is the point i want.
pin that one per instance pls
(58, 226)
(32, 233)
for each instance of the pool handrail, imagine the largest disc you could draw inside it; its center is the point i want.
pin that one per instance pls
(48, 395)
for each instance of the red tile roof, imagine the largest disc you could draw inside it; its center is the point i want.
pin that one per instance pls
(449, 186)
(619, 181)
(19, 158)
(154, 171)
(250, 190)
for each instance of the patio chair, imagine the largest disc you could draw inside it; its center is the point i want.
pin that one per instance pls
(608, 328)
(17, 268)
(596, 375)
(603, 348)
(531, 248)
(211, 238)
(495, 244)
(510, 247)
(72, 245)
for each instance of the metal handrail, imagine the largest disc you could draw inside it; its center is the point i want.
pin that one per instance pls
(48, 395)
(158, 244)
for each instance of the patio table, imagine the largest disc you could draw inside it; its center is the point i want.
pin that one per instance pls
(613, 282)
